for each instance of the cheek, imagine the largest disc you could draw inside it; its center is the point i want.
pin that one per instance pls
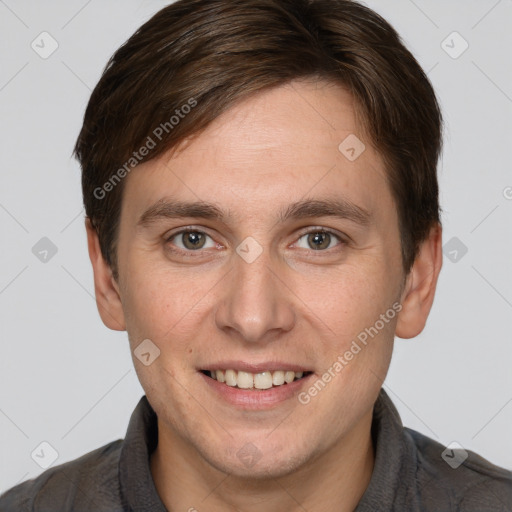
(148, 312)
(351, 299)
(157, 301)
(170, 310)
(357, 314)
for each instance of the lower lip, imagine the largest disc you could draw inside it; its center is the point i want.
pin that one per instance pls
(255, 399)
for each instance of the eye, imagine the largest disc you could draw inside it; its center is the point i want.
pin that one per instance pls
(191, 240)
(319, 240)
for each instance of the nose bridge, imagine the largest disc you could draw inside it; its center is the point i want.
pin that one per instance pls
(255, 301)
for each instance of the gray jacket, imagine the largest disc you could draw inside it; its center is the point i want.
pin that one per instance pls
(412, 473)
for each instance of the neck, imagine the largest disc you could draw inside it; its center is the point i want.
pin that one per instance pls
(333, 480)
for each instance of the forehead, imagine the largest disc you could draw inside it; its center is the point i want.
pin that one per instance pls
(283, 143)
(297, 119)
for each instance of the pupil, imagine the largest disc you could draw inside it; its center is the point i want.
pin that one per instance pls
(194, 239)
(319, 237)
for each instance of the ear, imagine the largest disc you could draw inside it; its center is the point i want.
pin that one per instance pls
(108, 298)
(420, 286)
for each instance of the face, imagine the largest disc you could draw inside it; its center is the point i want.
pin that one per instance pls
(295, 258)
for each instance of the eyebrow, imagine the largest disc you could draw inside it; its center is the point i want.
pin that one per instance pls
(338, 208)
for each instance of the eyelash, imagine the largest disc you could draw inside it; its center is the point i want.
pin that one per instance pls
(190, 253)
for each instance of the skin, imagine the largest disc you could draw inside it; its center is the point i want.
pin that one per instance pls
(293, 303)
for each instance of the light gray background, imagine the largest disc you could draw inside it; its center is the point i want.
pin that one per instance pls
(69, 381)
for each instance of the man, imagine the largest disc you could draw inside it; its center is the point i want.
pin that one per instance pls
(259, 179)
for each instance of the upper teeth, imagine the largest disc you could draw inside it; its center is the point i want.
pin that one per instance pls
(263, 380)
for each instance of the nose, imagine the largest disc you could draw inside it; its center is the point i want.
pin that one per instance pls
(256, 305)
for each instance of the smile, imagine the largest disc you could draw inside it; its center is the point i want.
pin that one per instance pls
(261, 380)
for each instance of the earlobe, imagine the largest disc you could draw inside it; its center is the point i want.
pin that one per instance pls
(108, 299)
(420, 287)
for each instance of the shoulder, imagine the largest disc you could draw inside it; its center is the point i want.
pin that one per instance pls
(460, 477)
(89, 482)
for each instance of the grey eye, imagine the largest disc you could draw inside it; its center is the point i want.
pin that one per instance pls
(191, 240)
(318, 240)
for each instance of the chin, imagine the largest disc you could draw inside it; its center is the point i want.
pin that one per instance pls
(250, 462)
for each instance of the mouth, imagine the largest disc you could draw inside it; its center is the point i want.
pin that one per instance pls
(260, 381)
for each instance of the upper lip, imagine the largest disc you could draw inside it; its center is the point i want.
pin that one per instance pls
(255, 367)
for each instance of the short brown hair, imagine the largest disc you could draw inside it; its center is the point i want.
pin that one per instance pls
(206, 55)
